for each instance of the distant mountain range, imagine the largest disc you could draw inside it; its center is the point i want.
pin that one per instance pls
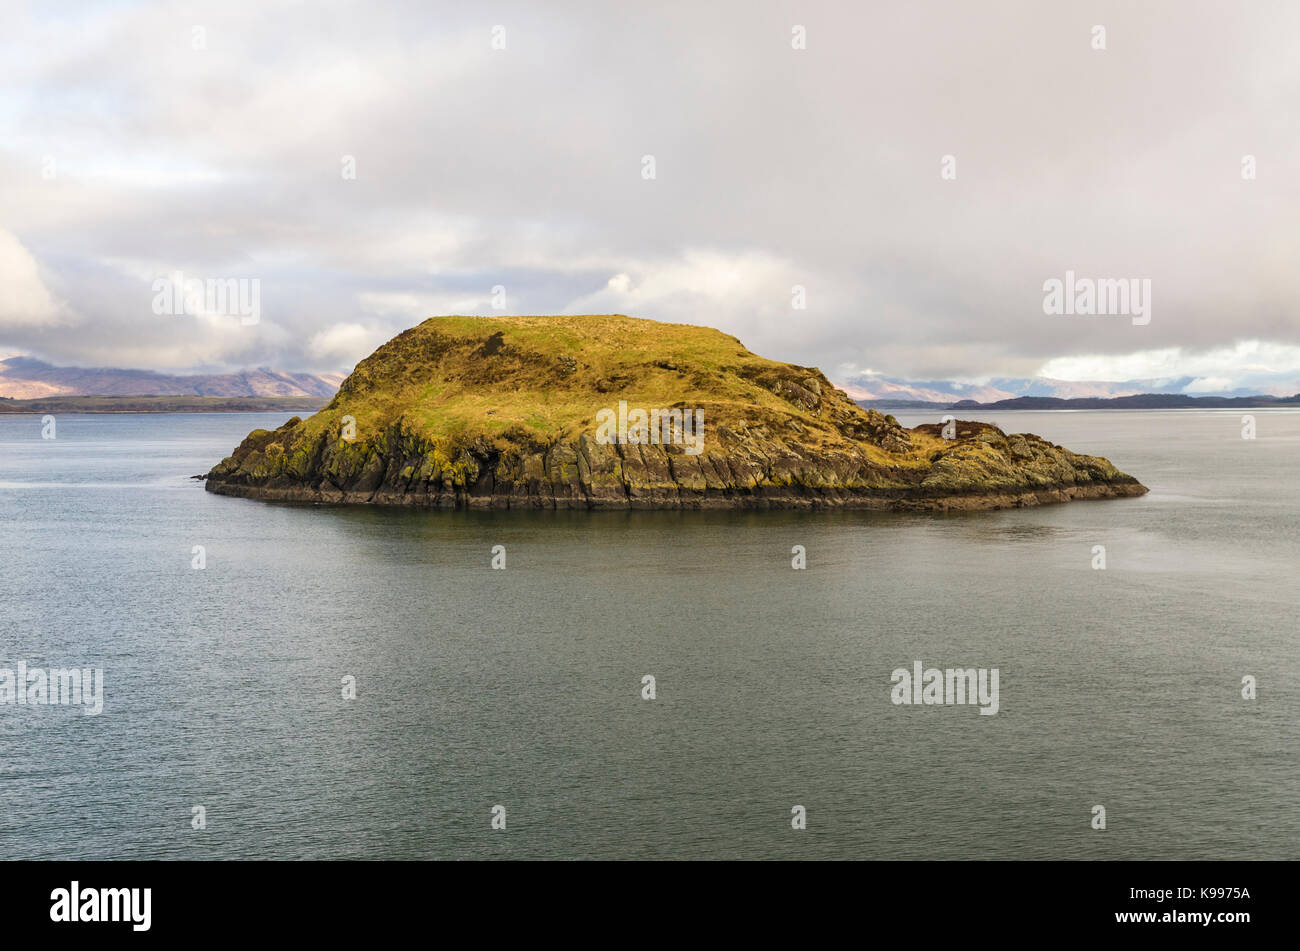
(876, 390)
(26, 378)
(1137, 401)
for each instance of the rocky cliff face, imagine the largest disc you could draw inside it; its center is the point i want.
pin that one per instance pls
(503, 412)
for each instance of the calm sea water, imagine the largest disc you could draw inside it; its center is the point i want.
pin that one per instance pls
(522, 688)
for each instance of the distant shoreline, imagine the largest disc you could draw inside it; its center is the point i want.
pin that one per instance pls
(1139, 401)
(165, 404)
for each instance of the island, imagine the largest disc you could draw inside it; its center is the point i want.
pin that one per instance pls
(610, 411)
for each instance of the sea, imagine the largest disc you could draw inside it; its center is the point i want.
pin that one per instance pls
(281, 681)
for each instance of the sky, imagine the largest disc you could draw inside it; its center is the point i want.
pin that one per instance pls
(795, 144)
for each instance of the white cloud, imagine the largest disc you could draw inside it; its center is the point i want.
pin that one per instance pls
(406, 305)
(24, 299)
(1209, 384)
(746, 293)
(1247, 358)
(344, 344)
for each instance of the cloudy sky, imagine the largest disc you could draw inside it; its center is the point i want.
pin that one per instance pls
(128, 154)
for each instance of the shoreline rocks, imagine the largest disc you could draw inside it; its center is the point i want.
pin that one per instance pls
(982, 469)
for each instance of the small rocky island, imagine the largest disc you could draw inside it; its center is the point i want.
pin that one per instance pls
(602, 411)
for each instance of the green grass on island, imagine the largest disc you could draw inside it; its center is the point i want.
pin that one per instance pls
(534, 380)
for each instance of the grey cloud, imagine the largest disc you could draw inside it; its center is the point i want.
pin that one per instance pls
(522, 167)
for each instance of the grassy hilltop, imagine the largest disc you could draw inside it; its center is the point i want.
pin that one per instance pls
(503, 411)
